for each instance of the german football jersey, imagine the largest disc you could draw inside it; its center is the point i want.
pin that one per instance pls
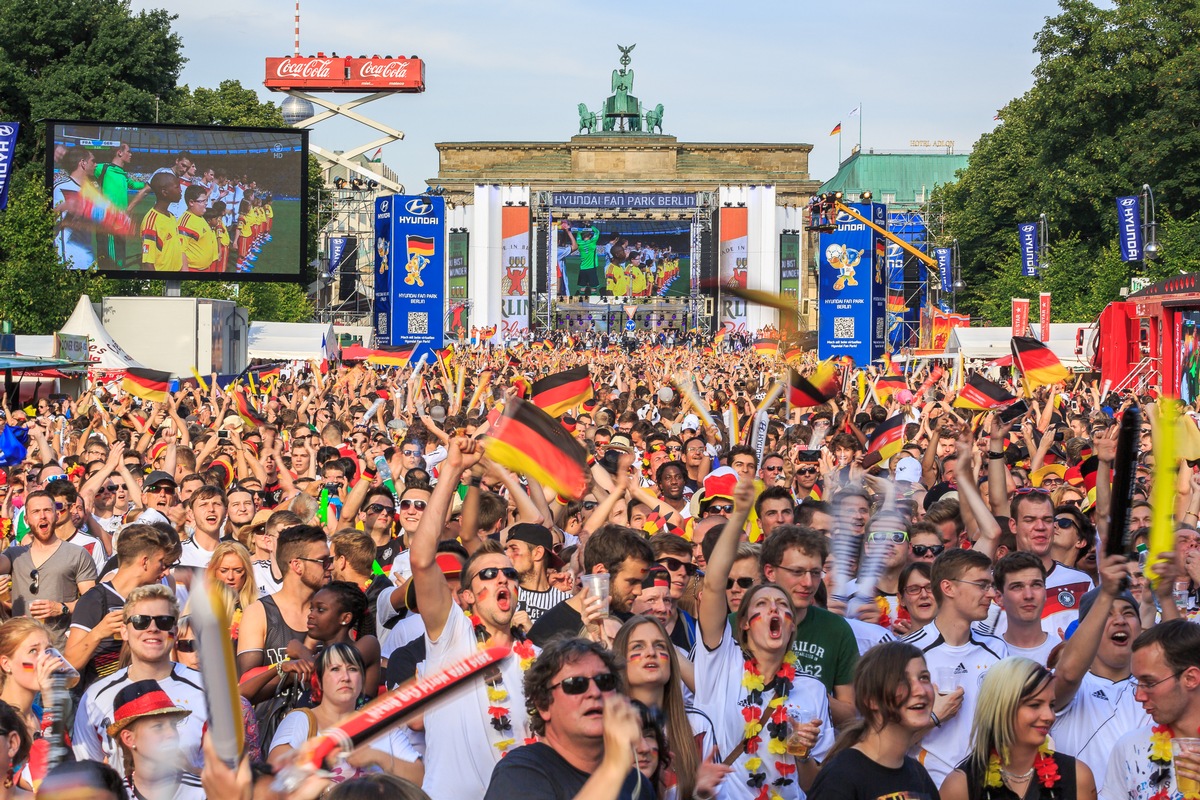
(199, 241)
(162, 246)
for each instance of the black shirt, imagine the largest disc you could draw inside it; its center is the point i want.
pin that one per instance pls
(851, 775)
(537, 772)
(402, 663)
(95, 604)
(558, 620)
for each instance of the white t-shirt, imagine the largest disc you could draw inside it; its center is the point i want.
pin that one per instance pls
(1065, 587)
(944, 748)
(401, 567)
(1127, 775)
(460, 751)
(1099, 714)
(293, 731)
(721, 696)
(868, 634)
(1039, 653)
(93, 546)
(194, 555)
(264, 580)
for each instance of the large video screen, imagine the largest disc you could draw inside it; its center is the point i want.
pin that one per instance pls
(624, 258)
(160, 201)
(1188, 364)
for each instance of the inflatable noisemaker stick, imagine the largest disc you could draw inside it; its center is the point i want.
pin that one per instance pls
(874, 561)
(385, 712)
(1123, 475)
(1162, 492)
(698, 405)
(846, 548)
(211, 619)
(484, 382)
(761, 422)
(931, 380)
(460, 382)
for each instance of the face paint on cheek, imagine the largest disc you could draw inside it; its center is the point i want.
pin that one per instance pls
(481, 594)
(27, 666)
(754, 616)
(635, 657)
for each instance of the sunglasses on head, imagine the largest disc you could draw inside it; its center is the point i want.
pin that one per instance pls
(164, 622)
(379, 508)
(675, 565)
(1032, 489)
(419, 505)
(742, 583)
(605, 682)
(922, 550)
(490, 573)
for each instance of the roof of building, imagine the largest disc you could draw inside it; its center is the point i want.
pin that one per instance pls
(909, 176)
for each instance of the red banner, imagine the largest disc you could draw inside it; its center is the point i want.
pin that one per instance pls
(1020, 316)
(1044, 313)
(337, 74)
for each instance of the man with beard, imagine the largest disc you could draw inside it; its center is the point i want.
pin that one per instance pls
(462, 743)
(241, 506)
(621, 552)
(530, 547)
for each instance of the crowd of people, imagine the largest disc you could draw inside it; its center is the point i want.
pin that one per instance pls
(746, 602)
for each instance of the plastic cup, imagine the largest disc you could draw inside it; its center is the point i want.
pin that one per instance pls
(798, 716)
(945, 679)
(1187, 786)
(597, 585)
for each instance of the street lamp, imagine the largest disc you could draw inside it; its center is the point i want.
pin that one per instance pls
(1151, 249)
(956, 272)
(1043, 244)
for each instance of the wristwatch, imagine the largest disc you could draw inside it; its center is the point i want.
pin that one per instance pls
(65, 610)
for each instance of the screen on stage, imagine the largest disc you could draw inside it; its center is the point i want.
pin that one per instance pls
(160, 201)
(623, 258)
(1189, 356)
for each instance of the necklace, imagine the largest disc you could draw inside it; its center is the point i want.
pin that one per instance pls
(1043, 764)
(497, 693)
(1160, 755)
(774, 718)
(1012, 776)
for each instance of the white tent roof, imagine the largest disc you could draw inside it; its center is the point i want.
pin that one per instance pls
(291, 341)
(1062, 342)
(103, 351)
(980, 343)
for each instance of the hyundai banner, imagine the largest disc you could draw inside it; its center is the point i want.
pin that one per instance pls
(382, 315)
(1028, 235)
(8, 147)
(411, 264)
(945, 267)
(852, 291)
(1129, 226)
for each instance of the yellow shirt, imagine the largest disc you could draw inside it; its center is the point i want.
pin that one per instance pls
(162, 246)
(199, 241)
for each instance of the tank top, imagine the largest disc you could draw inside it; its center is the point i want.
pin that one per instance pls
(278, 633)
(1063, 790)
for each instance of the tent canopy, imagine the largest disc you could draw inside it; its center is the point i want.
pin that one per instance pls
(104, 354)
(291, 341)
(989, 344)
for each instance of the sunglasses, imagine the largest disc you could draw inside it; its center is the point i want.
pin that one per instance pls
(35, 578)
(1032, 489)
(807, 471)
(380, 508)
(419, 505)
(53, 478)
(605, 682)
(772, 469)
(164, 622)
(922, 550)
(589, 505)
(490, 573)
(325, 562)
(723, 508)
(674, 449)
(895, 537)
(185, 645)
(675, 565)
(410, 453)
(742, 583)
(108, 488)
(1065, 522)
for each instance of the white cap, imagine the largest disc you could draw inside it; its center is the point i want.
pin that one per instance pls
(908, 469)
(690, 423)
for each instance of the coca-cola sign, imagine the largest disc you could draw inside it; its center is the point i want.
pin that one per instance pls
(383, 69)
(304, 68)
(345, 74)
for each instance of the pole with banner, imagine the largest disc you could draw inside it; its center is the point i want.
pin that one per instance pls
(1044, 314)
(1020, 316)
(8, 148)
(1027, 233)
(942, 254)
(1129, 224)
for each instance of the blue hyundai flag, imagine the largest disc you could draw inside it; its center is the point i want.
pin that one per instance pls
(13, 441)
(942, 254)
(1129, 227)
(1028, 235)
(8, 147)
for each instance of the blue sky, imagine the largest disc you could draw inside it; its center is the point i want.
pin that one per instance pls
(751, 71)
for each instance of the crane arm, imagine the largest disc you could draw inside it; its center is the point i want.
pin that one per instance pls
(891, 237)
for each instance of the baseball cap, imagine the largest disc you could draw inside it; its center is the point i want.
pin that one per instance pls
(690, 423)
(158, 476)
(536, 536)
(908, 469)
(1088, 600)
(450, 566)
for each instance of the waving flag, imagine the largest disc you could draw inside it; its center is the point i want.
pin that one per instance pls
(558, 393)
(817, 389)
(981, 394)
(148, 384)
(530, 442)
(1037, 362)
(888, 438)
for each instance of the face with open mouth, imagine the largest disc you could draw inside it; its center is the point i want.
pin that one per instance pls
(917, 705)
(769, 619)
(1122, 627)
(492, 593)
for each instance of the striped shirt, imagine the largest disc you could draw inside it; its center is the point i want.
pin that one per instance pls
(536, 603)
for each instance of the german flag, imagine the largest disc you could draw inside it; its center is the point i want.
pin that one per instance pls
(980, 394)
(818, 389)
(391, 356)
(148, 384)
(719, 336)
(888, 385)
(889, 366)
(888, 438)
(530, 442)
(511, 359)
(707, 350)
(558, 393)
(766, 347)
(896, 304)
(792, 353)
(548, 344)
(537, 345)
(247, 412)
(421, 246)
(522, 385)
(1037, 363)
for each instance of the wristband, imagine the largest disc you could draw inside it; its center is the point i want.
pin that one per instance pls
(995, 456)
(937, 723)
(370, 473)
(476, 482)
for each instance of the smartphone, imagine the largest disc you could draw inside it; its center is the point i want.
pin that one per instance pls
(1014, 411)
(222, 434)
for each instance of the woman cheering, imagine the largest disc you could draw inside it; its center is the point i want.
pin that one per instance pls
(771, 720)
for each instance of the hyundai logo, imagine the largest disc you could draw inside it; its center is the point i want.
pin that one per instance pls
(383, 206)
(418, 207)
(6, 130)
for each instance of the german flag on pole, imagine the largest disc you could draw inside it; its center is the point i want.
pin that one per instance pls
(148, 384)
(391, 356)
(247, 412)
(817, 389)
(794, 352)
(888, 385)
(888, 438)
(980, 394)
(530, 442)
(766, 347)
(1037, 363)
(510, 359)
(558, 393)
(443, 359)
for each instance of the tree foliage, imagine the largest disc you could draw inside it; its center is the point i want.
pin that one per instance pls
(1114, 104)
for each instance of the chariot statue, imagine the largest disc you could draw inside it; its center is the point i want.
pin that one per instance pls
(622, 112)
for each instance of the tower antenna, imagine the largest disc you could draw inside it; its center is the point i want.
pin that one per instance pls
(297, 53)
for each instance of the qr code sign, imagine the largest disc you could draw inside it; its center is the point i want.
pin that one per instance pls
(418, 322)
(843, 327)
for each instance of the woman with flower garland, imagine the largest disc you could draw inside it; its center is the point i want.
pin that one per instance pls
(771, 721)
(893, 695)
(1011, 755)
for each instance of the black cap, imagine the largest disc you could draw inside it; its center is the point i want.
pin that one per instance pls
(536, 536)
(1088, 600)
(158, 476)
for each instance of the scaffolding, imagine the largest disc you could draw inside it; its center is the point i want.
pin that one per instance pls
(345, 291)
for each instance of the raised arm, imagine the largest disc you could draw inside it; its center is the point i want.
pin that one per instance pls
(713, 608)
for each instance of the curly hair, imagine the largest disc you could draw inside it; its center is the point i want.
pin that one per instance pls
(557, 654)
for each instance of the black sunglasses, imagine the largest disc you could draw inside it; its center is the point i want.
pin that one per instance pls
(674, 565)
(922, 550)
(605, 682)
(379, 508)
(490, 573)
(744, 583)
(35, 579)
(141, 622)
(807, 471)
(588, 505)
(185, 645)
(724, 508)
(325, 562)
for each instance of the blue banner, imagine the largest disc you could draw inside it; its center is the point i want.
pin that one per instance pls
(622, 200)
(383, 270)
(1129, 227)
(8, 149)
(417, 273)
(852, 288)
(1028, 235)
(337, 247)
(945, 267)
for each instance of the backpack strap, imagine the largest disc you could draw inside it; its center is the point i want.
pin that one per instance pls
(312, 722)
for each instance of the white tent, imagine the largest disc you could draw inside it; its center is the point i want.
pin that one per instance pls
(980, 343)
(103, 351)
(1062, 343)
(291, 341)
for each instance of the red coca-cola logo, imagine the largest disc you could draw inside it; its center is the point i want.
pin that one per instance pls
(304, 68)
(386, 69)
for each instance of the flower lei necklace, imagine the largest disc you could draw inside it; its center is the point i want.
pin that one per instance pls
(497, 693)
(885, 618)
(776, 721)
(1160, 755)
(1044, 765)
